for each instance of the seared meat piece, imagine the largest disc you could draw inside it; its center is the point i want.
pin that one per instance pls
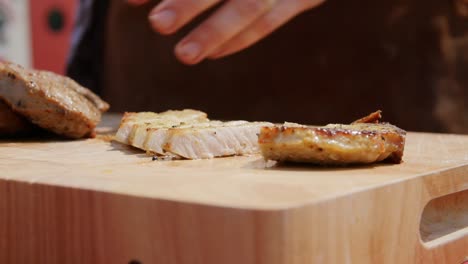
(188, 134)
(11, 123)
(334, 144)
(71, 84)
(51, 101)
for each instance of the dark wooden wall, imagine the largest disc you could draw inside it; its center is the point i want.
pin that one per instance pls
(336, 63)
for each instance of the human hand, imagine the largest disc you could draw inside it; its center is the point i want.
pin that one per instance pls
(234, 26)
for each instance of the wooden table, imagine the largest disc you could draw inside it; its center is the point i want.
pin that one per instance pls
(96, 201)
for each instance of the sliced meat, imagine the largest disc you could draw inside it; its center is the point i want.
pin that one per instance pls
(128, 121)
(12, 124)
(51, 101)
(134, 127)
(157, 137)
(188, 134)
(334, 144)
(215, 139)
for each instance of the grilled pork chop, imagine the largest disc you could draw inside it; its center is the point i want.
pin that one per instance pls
(53, 102)
(334, 144)
(188, 134)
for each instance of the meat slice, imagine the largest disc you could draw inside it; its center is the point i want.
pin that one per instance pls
(214, 139)
(334, 144)
(134, 127)
(188, 134)
(129, 120)
(156, 137)
(53, 102)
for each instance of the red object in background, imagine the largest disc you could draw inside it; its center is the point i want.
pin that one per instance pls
(51, 25)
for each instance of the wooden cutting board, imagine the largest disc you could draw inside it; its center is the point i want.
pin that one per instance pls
(96, 201)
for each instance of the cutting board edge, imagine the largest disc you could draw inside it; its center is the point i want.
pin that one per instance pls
(259, 208)
(115, 227)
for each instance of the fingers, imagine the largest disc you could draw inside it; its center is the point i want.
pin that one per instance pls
(236, 25)
(170, 15)
(284, 11)
(225, 23)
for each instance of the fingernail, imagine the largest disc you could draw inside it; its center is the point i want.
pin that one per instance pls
(189, 51)
(163, 19)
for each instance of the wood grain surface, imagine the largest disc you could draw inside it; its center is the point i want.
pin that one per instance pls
(96, 201)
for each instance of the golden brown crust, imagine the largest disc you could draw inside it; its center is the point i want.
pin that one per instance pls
(335, 143)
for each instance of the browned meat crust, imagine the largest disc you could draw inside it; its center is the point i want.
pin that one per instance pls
(371, 118)
(53, 102)
(71, 84)
(334, 144)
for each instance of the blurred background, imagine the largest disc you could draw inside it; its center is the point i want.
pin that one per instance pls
(36, 33)
(335, 63)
